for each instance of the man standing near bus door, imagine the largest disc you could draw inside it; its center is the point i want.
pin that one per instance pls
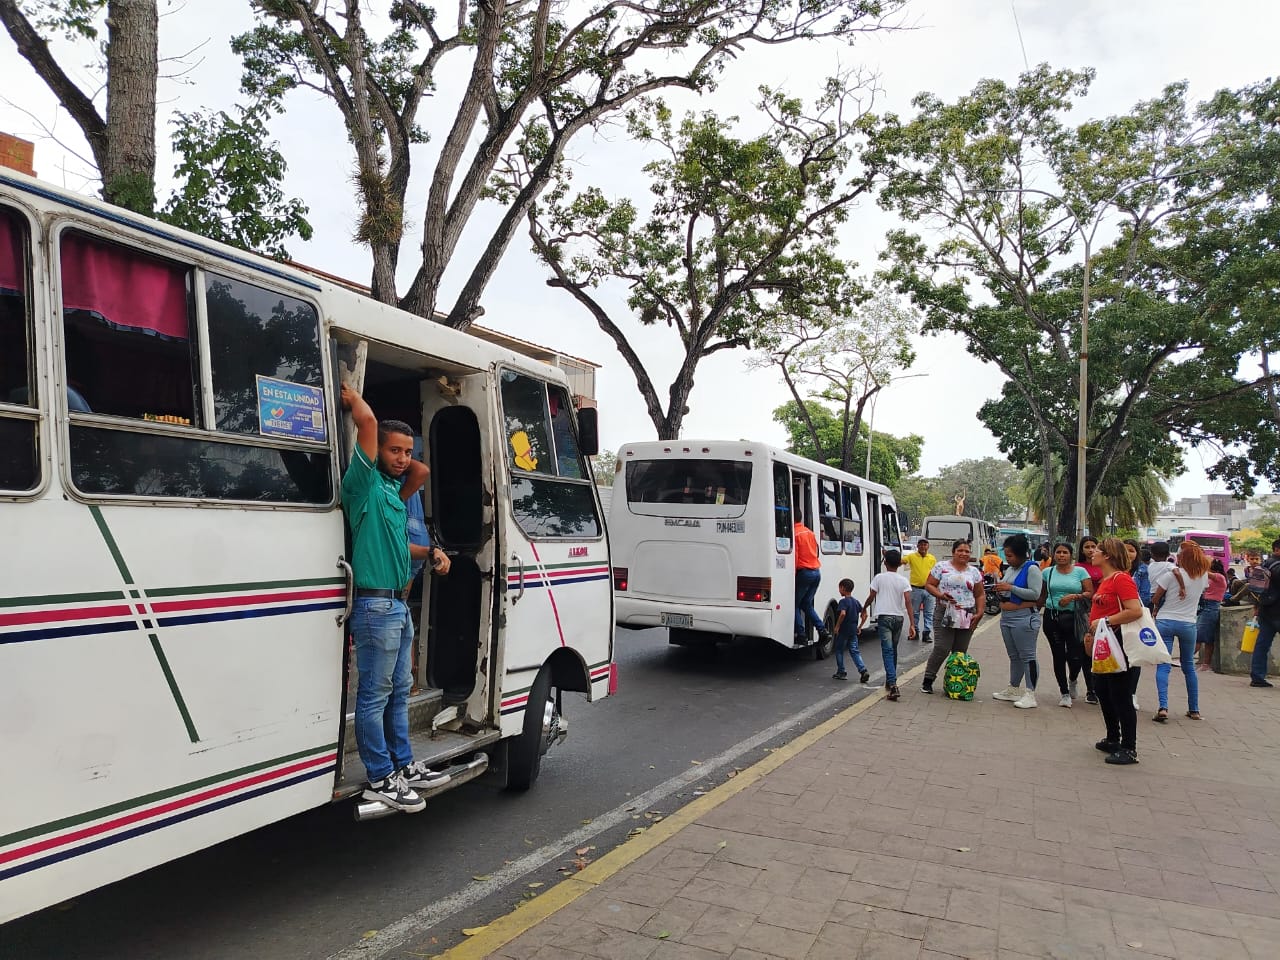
(808, 575)
(921, 564)
(381, 477)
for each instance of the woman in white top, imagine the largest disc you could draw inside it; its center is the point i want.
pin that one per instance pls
(1175, 603)
(957, 584)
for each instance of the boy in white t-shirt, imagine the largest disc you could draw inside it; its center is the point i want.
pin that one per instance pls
(890, 591)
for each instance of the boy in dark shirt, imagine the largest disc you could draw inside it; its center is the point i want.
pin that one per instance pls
(847, 632)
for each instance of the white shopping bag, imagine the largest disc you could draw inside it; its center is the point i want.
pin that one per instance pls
(1108, 655)
(1149, 649)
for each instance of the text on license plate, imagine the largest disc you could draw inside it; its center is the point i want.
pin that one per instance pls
(677, 620)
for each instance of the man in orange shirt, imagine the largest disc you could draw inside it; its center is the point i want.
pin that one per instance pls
(991, 562)
(808, 574)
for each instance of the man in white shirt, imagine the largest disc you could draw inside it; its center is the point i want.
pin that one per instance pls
(890, 591)
(1160, 563)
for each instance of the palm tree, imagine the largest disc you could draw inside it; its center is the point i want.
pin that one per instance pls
(1135, 504)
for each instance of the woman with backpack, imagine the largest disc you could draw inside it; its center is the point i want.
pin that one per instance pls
(1066, 586)
(1115, 600)
(957, 585)
(1175, 604)
(1019, 592)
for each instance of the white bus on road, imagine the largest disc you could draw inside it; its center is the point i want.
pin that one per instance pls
(174, 669)
(701, 533)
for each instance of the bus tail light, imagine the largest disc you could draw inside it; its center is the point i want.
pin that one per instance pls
(620, 579)
(755, 589)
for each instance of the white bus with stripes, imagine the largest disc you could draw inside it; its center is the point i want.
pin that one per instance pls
(173, 665)
(702, 538)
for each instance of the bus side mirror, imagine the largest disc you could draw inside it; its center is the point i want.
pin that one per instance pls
(589, 431)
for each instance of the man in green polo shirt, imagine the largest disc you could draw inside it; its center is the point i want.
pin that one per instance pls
(381, 477)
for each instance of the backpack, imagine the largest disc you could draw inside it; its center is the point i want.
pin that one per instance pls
(1263, 584)
(960, 677)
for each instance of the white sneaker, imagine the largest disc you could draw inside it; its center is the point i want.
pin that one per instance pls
(1135, 702)
(1009, 693)
(1074, 690)
(1065, 701)
(1028, 700)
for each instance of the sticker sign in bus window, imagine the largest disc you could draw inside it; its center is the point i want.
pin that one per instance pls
(293, 410)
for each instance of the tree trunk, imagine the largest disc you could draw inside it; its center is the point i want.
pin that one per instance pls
(1050, 492)
(129, 174)
(1067, 505)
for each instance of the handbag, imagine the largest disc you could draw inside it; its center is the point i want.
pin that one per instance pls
(1250, 638)
(1150, 650)
(1108, 655)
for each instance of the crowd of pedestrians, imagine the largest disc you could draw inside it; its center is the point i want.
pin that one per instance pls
(1069, 594)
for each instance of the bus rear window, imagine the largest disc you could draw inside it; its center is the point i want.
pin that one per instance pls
(690, 483)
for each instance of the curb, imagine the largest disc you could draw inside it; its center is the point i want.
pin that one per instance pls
(498, 933)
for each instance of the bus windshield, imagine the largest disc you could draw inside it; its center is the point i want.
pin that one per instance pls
(654, 486)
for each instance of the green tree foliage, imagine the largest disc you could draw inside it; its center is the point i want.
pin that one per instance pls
(1016, 192)
(985, 485)
(891, 457)
(919, 497)
(537, 76)
(844, 358)
(228, 174)
(228, 182)
(1131, 504)
(739, 236)
(604, 466)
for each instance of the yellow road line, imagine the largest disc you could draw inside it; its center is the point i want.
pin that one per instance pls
(528, 915)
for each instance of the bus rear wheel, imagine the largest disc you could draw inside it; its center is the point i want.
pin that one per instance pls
(824, 648)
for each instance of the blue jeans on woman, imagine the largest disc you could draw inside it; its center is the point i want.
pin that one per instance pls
(383, 631)
(1185, 634)
(1207, 621)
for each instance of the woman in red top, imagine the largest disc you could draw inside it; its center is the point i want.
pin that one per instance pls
(1116, 601)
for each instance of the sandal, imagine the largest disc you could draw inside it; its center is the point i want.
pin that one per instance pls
(1194, 715)
(1161, 715)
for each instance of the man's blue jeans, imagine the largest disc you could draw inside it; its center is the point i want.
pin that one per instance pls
(806, 589)
(1262, 649)
(383, 632)
(851, 644)
(889, 630)
(1185, 634)
(922, 599)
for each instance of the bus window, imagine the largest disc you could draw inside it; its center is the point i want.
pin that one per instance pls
(549, 496)
(127, 320)
(568, 462)
(20, 466)
(851, 502)
(892, 538)
(831, 538)
(257, 332)
(783, 529)
(698, 483)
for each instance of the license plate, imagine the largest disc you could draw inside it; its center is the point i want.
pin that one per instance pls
(677, 620)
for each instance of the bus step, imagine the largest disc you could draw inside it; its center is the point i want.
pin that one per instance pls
(444, 747)
(423, 707)
(461, 771)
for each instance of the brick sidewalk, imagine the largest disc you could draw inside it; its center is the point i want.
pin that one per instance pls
(934, 829)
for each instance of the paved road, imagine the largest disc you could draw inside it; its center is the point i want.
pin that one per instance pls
(320, 885)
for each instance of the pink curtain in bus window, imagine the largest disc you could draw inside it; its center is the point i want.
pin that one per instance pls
(123, 287)
(11, 241)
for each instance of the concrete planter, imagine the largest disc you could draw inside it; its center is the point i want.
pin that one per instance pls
(1227, 657)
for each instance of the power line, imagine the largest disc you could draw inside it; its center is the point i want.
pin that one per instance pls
(1017, 26)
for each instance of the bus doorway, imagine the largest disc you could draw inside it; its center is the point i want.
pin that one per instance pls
(875, 533)
(452, 615)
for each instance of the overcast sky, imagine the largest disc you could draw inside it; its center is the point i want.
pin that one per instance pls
(1136, 47)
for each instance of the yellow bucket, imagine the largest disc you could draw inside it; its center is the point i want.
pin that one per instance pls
(1250, 637)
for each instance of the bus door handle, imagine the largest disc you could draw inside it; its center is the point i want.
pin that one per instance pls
(520, 574)
(350, 576)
